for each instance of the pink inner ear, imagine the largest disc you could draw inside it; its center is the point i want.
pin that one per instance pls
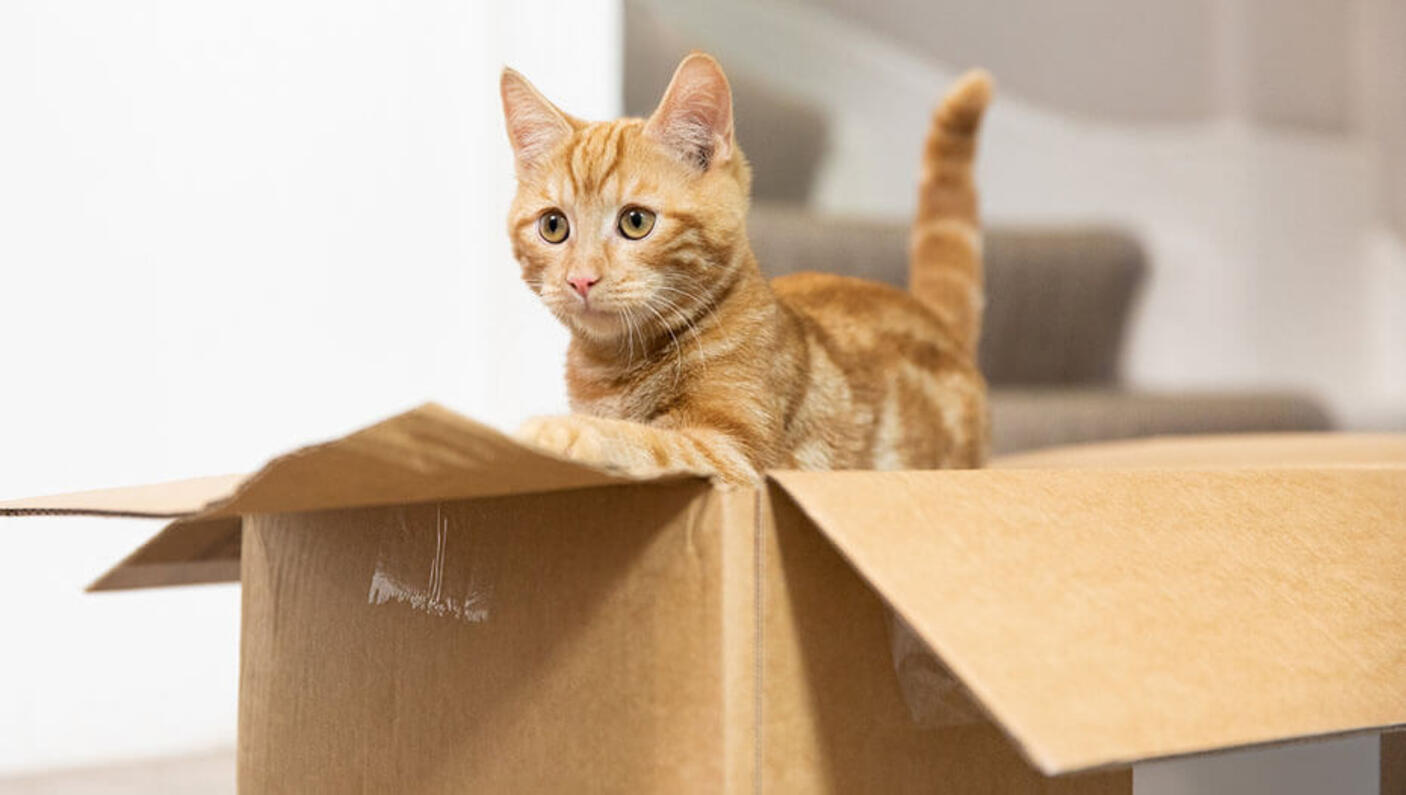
(695, 116)
(535, 126)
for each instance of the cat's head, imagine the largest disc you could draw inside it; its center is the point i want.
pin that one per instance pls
(629, 227)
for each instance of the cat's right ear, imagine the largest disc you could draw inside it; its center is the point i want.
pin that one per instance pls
(694, 119)
(535, 125)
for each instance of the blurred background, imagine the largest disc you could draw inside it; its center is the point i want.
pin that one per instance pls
(227, 230)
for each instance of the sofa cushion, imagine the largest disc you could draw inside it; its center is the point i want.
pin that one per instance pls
(1023, 419)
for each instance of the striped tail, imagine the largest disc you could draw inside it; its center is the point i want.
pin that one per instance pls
(944, 256)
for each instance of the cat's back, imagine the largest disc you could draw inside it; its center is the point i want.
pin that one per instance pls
(908, 395)
(859, 314)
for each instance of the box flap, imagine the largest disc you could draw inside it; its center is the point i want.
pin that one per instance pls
(185, 552)
(1104, 617)
(426, 454)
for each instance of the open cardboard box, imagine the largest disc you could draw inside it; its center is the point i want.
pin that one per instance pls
(429, 606)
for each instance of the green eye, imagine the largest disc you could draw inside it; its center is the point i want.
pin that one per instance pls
(552, 226)
(635, 222)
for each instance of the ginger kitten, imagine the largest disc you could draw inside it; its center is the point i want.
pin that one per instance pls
(633, 233)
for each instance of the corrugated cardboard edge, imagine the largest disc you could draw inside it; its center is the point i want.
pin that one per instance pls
(169, 500)
(426, 454)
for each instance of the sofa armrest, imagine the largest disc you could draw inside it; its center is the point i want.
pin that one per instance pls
(1057, 304)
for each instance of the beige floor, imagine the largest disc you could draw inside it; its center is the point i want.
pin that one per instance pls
(203, 774)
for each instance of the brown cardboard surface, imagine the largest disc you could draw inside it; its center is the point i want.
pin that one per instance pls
(735, 512)
(1228, 450)
(1105, 617)
(600, 662)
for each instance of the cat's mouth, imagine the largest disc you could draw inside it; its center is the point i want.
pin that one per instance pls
(594, 310)
(605, 316)
(596, 318)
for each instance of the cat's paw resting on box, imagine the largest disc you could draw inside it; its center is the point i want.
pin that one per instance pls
(582, 438)
(637, 449)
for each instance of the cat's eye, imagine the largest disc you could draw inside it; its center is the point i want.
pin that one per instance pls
(635, 222)
(552, 226)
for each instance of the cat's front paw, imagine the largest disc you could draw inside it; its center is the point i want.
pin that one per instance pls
(580, 439)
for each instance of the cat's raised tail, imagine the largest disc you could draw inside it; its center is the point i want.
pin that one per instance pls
(944, 255)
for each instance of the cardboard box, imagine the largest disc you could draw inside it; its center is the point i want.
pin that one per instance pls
(430, 607)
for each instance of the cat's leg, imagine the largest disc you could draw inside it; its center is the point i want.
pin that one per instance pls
(638, 449)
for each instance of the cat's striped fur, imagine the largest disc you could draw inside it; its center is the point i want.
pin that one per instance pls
(684, 357)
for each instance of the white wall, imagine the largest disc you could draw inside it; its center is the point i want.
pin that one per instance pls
(1273, 266)
(1382, 60)
(227, 229)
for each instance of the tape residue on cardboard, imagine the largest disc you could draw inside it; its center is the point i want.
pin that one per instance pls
(400, 568)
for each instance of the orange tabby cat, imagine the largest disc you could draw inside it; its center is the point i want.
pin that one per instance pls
(683, 357)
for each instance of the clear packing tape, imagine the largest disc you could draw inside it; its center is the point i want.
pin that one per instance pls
(935, 698)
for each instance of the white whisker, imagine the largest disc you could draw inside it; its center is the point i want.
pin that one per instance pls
(678, 353)
(689, 325)
(629, 336)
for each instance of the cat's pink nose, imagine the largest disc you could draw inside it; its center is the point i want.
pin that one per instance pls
(582, 284)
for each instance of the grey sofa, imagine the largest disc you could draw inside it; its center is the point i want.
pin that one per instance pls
(1057, 311)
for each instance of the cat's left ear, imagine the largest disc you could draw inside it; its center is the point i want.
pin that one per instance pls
(694, 119)
(535, 125)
